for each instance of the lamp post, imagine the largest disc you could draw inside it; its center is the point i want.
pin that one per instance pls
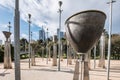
(29, 21)
(109, 40)
(59, 50)
(31, 35)
(17, 41)
(9, 26)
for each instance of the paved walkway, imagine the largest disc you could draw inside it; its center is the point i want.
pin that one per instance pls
(43, 71)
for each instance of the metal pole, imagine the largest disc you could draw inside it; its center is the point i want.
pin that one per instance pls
(9, 26)
(39, 34)
(31, 36)
(47, 47)
(109, 41)
(59, 50)
(25, 45)
(17, 41)
(94, 56)
(29, 15)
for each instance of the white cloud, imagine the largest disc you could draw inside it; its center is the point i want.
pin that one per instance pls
(24, 36)
(2, 37)
(44, 12)
(35, 35)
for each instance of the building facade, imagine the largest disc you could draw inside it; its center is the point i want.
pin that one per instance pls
(61, 34)
(42, 34)
(0, 42)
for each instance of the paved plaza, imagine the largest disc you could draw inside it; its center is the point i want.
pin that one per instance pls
(43, 71)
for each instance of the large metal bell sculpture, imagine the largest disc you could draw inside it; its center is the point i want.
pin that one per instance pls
(83, 30)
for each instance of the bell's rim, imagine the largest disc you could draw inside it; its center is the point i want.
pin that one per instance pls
(85, 12)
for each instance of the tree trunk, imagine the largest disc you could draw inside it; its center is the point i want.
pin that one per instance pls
(32, 57)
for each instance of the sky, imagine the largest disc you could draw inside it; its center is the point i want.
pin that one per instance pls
(45, 13)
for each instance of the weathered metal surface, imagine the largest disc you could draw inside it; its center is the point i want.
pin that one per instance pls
(7, 34)
(84, 29)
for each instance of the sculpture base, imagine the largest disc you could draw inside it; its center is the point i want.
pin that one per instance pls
(7, 56)
(54, 55)
(33, 58)
(84, 71)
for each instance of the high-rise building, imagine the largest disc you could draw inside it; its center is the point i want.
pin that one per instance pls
(61, 34)
(42, 34)
(0, 42)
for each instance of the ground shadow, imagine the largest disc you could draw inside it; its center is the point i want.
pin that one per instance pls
(4, 73)
(51, 70)
(99, 74)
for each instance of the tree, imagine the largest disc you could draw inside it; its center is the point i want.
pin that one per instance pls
(23, 44)
(115, 51)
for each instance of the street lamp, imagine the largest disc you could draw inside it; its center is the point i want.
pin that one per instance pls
(59, 52)
(9, 26)
(17, 41)
(109, 40)
(29, 21)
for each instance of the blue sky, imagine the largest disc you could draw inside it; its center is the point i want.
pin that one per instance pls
(44, 13)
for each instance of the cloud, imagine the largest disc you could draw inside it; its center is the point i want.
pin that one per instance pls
(24, 36)
(35, 35)
(44, 12)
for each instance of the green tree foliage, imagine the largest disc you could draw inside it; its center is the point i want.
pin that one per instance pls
(115, 47)
(1, 53)
(115, 51)
(23, 43)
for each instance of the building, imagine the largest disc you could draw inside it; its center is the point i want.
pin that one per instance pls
(61, 34)
(42, 34)
(13, 44)
(0, 42)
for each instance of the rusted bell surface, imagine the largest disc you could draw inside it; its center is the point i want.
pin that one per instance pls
(84, 29)
(7, 34)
